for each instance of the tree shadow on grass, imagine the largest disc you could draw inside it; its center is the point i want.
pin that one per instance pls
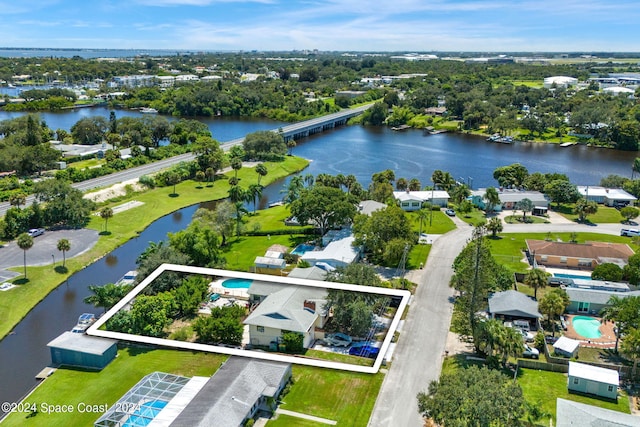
(174, 195)
(61, 269)
(105, 233)
(22, 281)
(199, 187)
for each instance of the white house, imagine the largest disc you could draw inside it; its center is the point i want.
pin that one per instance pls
(591, 379)
(606, 196)
(414, 200)
(285, 308)
(338, 251)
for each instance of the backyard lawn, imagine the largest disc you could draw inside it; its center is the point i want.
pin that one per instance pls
(345, 397)
(73, 387)
(605, 214)
(544, 387)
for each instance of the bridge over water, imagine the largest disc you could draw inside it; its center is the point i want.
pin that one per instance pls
(293, 131)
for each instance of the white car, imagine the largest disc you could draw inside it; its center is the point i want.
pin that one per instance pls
(526, 335)
(530, 352)
(35, 232)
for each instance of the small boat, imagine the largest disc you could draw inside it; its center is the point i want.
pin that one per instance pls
(567, 144)
(84, 321)
(128, 278)
(147, 110)
(274, 204)
(494, 138)
(401, 127)
(505, 140)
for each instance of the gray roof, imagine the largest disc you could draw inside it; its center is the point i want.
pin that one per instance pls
(367, 207)
(226, 399)
(574, 414)
(594, 296)
(82, 343)
(285, 309)
(264, 288)
(513, 303)
(311, 273)
(566, 344)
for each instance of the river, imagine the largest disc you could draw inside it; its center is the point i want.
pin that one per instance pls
(356, 150)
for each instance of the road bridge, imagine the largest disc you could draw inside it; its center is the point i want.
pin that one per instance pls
(293, 131)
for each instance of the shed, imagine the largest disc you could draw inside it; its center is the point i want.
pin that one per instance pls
(82, 350)
(268, 262)
(566, 347)
(594, 380)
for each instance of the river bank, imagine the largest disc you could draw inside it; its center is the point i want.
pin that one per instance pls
(15, 304)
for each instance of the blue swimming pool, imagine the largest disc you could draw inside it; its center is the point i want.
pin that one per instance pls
(587, 327)
(145, 414)
(237, 283)
(571, 276)
(301, 249)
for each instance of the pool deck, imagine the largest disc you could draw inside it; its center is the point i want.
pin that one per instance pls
(606, 340)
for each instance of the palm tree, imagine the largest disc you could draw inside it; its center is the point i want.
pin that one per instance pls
(64, 245)
(172, 179)
(106, 213)
(636, 167)
(525, 205)
(631, 347)
(510, 343)
(536, 279)
(624, 312)
(460, 193)
(492, 199)
(261, 170)
(25, 242)
(309, 180)
(402, 184)
(236, 165)
(414, 184)
(106, 296)
(236, 194)
(254, 192)
(584, 207)
(495, 226)
(553, 304)
(422, 216)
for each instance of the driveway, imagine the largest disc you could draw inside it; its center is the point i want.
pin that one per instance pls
(420, 350)
(44, 250)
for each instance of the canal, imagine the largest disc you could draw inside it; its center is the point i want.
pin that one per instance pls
(356, 150)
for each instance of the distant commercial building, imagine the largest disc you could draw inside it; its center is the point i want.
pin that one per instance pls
(559, 81)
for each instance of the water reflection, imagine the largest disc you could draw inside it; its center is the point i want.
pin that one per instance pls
(111, 260)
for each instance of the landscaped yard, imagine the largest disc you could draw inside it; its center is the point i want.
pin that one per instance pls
(605, 214)
(345, 397)
(74, 387)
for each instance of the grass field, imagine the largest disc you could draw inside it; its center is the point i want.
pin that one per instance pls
(605, 214)
(14, 305)
(74, 387)
(345, 397)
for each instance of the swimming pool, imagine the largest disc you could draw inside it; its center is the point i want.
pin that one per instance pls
(571, 276)
(301, 249)
(237, 283)
(145, 414)
(588, 327)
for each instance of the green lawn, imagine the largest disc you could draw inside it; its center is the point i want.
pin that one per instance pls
(345, 397)
(543, 388)
(14, 305)
(337, 357)
(475, 217)
(86, 163)
(418, 256)
(72, 387)
(439, 223)
(289, 421)
(605, 214)
(531, 219)
(241, 253)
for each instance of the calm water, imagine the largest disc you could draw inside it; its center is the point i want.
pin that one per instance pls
(347, 150)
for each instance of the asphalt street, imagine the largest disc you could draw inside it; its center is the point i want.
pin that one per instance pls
(44, 250)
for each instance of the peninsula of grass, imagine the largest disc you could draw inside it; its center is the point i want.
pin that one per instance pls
(74, 387)
(41, 280)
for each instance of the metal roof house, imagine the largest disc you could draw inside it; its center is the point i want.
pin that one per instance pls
(574, 414)
(594, 380)
(513, 305)
(235, 393)
(586, 300)
(82, 350)
(285, 308)
(413, 200)
(606, 196)
(338, 252)
(566, 347)
(509, 198)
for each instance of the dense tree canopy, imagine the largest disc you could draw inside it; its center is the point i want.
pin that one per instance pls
(325, 206)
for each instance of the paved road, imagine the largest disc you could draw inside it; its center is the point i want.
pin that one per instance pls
(417, 359)
(43, 248)
(418, 356)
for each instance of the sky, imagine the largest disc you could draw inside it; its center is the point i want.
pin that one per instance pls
(326, 25)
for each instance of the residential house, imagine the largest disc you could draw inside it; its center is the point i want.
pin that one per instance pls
(338, 250)
(584, 256)
(509, 199)
(414, 200)
(574, 414)
(285, 308)
(310, 273)
(566, 347)
(594, 380)
(607, 196)
(510, 305)
(591, 296)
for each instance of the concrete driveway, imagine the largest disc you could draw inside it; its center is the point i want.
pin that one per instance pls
(44, 250)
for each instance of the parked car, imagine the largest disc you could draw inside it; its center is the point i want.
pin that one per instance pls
(450, 212)
(530, 352)
(365, 351)
(35, 232)
(338, 339)
(526, 335)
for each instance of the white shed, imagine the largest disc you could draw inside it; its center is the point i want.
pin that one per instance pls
(566, 347)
